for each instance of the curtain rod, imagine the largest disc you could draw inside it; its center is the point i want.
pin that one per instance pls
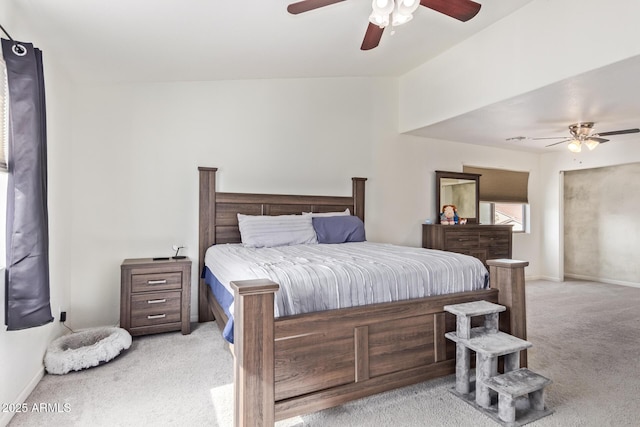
(17, 48)
(5, 31)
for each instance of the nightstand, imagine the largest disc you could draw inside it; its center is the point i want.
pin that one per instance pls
(155, 296)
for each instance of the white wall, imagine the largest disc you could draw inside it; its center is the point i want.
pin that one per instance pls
(22, 352)
(405, 189)
(136, 149)
(402, 194)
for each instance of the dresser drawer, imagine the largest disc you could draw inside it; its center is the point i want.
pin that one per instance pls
(481, 241)
(455, 240)
(498, 238)
(155, 308)
(156, 281)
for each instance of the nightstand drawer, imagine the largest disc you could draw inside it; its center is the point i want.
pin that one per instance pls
(156, 281)
(155, 308)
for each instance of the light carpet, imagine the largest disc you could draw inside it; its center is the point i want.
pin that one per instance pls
(585, 335)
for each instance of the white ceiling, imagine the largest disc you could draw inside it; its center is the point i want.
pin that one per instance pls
(182, 40)
(191, 40)
(607, 96)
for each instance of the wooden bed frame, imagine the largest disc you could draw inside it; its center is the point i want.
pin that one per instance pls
(299, 364)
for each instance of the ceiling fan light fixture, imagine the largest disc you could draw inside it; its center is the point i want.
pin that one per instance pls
(591, 143)
(575, 146)
(382, 9)
(379, 20)
(396, 12)
(399, 19)
(382, 6)
(403, 11)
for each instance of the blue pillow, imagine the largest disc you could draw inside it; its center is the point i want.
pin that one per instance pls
(339, 229)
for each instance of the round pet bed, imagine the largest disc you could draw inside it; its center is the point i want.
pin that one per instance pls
(85, 349)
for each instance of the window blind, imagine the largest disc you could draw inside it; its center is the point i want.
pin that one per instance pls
(501, 185)
(4, 116)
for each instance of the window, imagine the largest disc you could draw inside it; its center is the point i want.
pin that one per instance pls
(516, 214)
(504, 197)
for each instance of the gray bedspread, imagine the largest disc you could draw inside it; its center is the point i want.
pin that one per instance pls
(325, 277)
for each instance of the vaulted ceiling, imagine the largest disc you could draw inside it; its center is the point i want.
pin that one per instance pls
(193, 40)
(181, 40)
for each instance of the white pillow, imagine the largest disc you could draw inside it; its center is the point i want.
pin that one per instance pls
(320, 214)
(264, 231)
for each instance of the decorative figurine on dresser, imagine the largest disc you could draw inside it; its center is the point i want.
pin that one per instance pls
(155, 295)
(449, 215)
(461, 191)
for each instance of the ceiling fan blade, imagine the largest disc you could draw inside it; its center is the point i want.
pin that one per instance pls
(372, 37)
(560, 142)
(617, 132)
(307, 5)
(600, 140)
(462, 10)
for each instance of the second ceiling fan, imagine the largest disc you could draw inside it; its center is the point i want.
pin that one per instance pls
(582, 133)
(395, 12)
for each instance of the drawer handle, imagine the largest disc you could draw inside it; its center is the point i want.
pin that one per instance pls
(156, 301)
(157, 282)
(157, 316)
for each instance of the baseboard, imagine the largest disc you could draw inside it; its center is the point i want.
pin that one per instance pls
(5, 417)
(547, 278)
(602, 280)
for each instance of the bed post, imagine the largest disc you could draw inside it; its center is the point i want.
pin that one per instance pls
(207, 233)
(253, 348)
(507, 275)
(358, 197)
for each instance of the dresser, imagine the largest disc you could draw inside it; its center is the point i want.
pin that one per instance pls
(155, 296)
(481, 241)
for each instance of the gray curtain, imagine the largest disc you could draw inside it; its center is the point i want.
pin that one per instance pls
(27, 272)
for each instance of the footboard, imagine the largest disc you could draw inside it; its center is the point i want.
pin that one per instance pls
(328, 358)
(300, 364)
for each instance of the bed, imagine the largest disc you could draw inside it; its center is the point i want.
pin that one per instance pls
(300, 363)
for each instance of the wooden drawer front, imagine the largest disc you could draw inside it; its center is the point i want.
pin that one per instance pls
(497, 243)
(156, 281)
(460, 240)
(155, 308)
(498, 238)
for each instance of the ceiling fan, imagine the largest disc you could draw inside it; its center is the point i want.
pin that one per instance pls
(582, 133)
(397, 12)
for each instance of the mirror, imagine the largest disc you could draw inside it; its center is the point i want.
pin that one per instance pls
(459, 189)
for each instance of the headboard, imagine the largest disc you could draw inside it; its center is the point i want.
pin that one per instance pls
(218, 211)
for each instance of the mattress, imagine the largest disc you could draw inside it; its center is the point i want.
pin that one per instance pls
(332, 276)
